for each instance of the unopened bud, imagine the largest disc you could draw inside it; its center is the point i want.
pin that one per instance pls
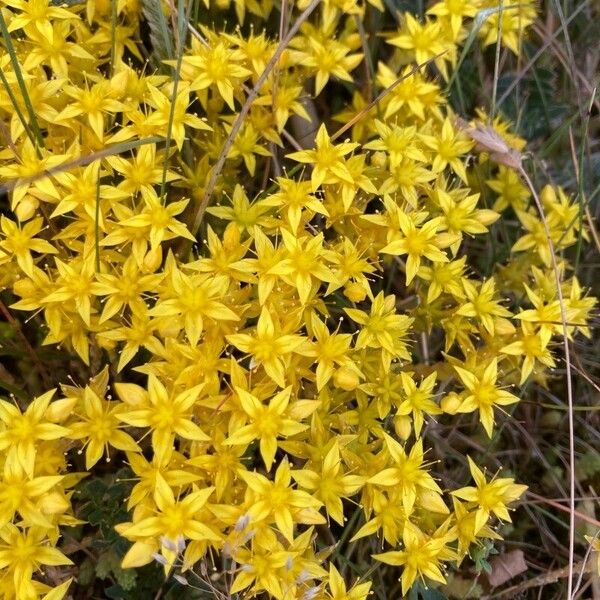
(403, 426)
(450, 403)
(346, 379)
(355, 292)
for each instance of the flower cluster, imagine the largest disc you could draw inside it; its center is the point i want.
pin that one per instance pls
(263, 381)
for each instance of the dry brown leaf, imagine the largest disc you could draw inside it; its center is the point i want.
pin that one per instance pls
(489, 140)
(506, 566)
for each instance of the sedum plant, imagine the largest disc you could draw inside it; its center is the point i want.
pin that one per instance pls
(275, 320)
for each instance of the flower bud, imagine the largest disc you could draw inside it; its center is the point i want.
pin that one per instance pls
(153, 259)
(450, 403)
(355, 292)
(27, 207)
(379, 159)
(403, 426)
(346, 379)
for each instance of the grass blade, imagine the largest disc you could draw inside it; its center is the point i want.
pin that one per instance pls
(19, 74)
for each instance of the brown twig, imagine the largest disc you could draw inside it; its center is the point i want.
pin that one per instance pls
(541, 580)
(35, 359)
(81, 161)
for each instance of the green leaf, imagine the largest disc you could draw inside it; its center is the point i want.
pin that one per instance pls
(116, 592)
(419, 592)
(126, 578)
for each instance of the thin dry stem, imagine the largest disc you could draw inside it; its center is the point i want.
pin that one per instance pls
(39, 365)
(563, 318)
(555, 504)
(218, 167)
(382, 95)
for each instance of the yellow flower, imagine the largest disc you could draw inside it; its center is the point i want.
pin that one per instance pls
(267, 423)
(295, 200)
(194, 299)
(449, 145)
(483, 394)
(490, 497)
(245, 145)
(413, 92)
(456, 11)
(30, 164)
(444, 277)
(175, 518)
(389, 517)
(509, 22)
(100, 427)
(23, 430)
(36, 14)
(75, 283)
(409, 475)
(21, 241)
(461, 214)
(382, 327)
(422, 39)
(398, 142)
(147, 472)
(482, 304)
(25, 495)
(178, 118)
(165, 412)
(330, 483)
(276, 502)
(140, 174)
(23, 552)
(418, 243)
(328, 160)
(127, 288)
(510, 189)
(417, 400)
(339, 591)
(217, 66)
(264, 566)
(545, 314)
(303, 266)
(244, 214)
(269, 347)
(93, 103)
(329, 57)
(420, 557)
(329, 350)
(532, 347)
(140, 332)
(466, 528)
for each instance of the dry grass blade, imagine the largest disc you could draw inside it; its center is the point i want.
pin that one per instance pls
(539, 581)
(509, 90)
(557, 505)
(82, 161)
(216, 170)
(382, 95)
(21, 82)
(182, 19)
